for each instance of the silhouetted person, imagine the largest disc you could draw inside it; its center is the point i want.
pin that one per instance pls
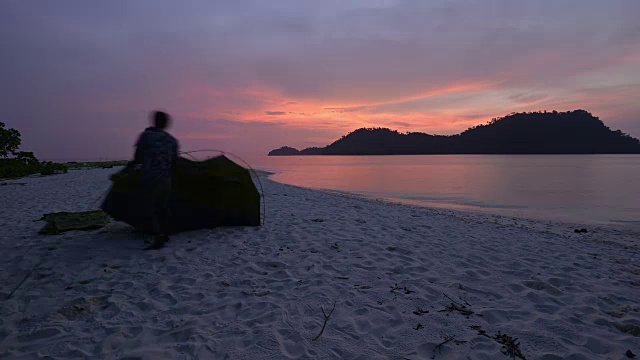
(156, 152)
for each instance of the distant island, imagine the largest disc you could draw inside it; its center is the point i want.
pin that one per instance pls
(572, 132)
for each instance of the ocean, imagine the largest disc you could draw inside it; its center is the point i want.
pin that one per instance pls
(590, 189)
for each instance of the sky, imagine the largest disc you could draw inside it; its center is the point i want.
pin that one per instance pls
(79, 77)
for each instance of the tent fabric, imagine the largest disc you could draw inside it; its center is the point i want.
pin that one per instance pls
(59, 222)
(205, 194)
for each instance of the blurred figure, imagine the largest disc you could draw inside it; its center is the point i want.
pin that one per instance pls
(156, 152)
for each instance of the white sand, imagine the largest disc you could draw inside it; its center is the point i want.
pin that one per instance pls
(257, 293)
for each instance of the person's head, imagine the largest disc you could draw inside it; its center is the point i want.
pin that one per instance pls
(161, 119)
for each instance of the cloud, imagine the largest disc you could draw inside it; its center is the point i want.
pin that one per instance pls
(527, 98)
(78, 70)
(346, 109)
(401, 123)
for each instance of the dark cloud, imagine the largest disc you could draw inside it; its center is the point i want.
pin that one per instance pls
(275, 113)
(401, 123)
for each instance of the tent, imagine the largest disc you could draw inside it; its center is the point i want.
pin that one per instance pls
(59, 222)
(205, 194)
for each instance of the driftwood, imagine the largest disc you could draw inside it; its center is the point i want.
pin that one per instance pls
(510, 346)
(326, 319)
(420, 312)
(447, 339)
(458, 307)
(405, 289)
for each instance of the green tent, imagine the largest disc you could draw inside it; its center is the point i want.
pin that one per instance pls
(59, 222)
(205, 194)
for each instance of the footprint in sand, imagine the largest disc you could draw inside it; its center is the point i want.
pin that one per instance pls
(79, 308)
(540, 285)
(291, 343)
(40, 334)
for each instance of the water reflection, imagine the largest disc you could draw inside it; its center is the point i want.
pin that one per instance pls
(582, 188)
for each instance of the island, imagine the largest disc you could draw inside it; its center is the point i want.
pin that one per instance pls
(571, 132)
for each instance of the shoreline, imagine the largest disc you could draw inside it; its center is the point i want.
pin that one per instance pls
(476, 213)
(597, 190)
(258, 293)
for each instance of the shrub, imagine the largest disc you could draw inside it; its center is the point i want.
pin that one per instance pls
(21, 163)
(9, 141)
(50, 168)
(25, 163)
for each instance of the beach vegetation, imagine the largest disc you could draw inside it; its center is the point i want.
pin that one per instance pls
(74, 165)
(9, 141)
(16, 164)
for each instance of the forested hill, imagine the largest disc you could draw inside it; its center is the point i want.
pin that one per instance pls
(572, 132)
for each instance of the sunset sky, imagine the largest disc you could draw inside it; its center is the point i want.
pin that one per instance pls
(79, 77)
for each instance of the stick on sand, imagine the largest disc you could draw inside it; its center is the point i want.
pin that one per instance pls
(326, 318)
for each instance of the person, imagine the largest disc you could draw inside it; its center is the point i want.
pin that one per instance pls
(156, 153)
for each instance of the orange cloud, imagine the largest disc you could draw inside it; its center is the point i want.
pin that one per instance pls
(206, 135)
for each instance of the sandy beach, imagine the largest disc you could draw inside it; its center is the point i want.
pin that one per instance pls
(394, 281)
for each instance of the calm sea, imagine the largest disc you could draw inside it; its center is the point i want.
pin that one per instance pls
(574, 188)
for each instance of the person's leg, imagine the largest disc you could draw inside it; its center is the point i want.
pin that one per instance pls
(146, 208)
(160, 213)
(162, 206)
